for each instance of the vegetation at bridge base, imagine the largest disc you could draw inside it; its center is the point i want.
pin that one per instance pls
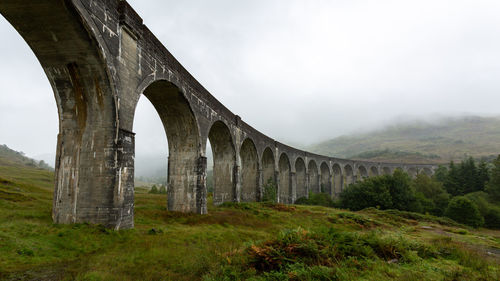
(256, 241)
(270, 191)
(467, 193)
(318, 199)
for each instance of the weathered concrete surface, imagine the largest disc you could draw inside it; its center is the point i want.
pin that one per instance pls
(99, 59)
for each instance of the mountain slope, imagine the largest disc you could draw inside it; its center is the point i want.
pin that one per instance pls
(10, 156)
(421, 142)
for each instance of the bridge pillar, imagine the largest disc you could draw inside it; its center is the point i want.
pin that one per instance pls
(95, 180)
(237, 183)
(308, 182)
(318, 187)
(186, 187)
(260, 185)
(201, 186)
(277, 182)
(293, 188)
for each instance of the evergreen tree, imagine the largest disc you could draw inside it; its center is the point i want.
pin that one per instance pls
(493, 186)
(435, 198)
(452, 181)
(468, 176)
(154, 190)
(163, 190)
(463, 210)
(441, 174)
(483, 175)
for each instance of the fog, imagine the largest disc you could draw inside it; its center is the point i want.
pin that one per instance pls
(299, 71)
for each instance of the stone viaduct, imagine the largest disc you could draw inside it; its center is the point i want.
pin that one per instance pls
(99, 59)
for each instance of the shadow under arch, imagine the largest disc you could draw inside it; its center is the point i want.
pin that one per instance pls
(348, 175)
(249, 172)
(224, 155)
(313, 177)
(362, 173)
(268, 171)
(184, 187)
(373, 171)
(284, 184)
(326, 179)
(412, 172)
(337, 179)
(300, 173)
(386, 171)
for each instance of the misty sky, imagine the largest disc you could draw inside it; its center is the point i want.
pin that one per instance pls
(299, 71)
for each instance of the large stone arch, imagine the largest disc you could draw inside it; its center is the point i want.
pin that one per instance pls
(313, 172)
(267, 164)
(183, 187)
(362, 173)
(348, 175)
(373, 171)
(386, 171)
(300, 173)
(326, 179)
(224, 155)
(337, 179)
(249, 171)
(427, 171)
(412, 172)
(284, 183)
(90, 184)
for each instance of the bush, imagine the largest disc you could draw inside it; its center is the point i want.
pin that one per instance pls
(372, 192)
(270, 191)
(320, 199)
(431, 194)
(154, 190)
(492, 218)
(384, 192)
(163, 189)
(463, 210)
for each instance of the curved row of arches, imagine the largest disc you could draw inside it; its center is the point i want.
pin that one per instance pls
(240, 169)
(240, 172)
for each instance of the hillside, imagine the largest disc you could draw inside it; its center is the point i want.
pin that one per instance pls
(257, 241)
(9, 156)
(420, 142)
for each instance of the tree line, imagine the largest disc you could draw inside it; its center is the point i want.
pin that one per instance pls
(467, 192)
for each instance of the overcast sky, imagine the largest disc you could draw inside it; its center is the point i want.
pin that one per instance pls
(299, 71)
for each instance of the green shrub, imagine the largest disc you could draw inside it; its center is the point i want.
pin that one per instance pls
(384, 192)
(492, 218)
(318, 199)
(154, 190)
(270, 191)
(431, 194)
(463, 210)
(163, 189)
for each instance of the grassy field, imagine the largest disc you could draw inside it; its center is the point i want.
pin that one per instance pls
(256, 241)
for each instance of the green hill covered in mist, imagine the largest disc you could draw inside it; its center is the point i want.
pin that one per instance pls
(420, 142)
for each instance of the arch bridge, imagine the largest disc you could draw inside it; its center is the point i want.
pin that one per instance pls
(100, 58)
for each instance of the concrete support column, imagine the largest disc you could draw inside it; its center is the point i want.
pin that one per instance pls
(186, 187)
(277, 182)
(308, 185)
(95, 179)
(293, 188)
(318, 188)
(237, 183)
(260, 185)
(201, 186)
(330, 187)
